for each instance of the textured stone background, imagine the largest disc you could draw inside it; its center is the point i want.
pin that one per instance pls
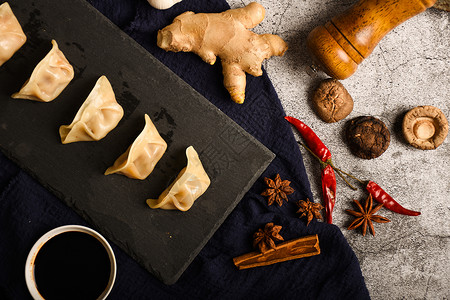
(409, 258)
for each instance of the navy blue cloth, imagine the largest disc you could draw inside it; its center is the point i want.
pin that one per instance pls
(27, 210)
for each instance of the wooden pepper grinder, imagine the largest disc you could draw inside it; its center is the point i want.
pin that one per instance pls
(345, 41)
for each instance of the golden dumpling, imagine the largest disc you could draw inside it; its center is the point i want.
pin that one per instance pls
(142, 156)
(190, 184)
(49, 78)
(11, 33)
(98, 115)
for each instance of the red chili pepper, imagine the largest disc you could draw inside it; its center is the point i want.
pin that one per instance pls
(321, 151)
(382, 197)
(329, 191)
(311, 139)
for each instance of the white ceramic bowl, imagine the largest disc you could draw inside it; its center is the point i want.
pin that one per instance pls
(29, 266)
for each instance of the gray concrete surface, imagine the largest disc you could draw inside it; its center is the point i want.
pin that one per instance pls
(409, 258)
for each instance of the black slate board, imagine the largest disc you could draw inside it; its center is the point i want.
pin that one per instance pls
(164, 242)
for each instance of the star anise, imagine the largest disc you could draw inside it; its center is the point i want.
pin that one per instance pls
(309, 209)
(278, 190)
(365, 216)
(264, 239)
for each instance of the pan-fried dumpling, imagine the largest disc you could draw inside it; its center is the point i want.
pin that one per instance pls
(49, 78)
(190, 184)
(142, 156)
(11, 33)
(98, 115)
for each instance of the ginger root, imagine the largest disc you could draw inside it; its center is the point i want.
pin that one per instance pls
(225, 35)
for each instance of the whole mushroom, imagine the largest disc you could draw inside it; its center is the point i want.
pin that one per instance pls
(368, 137)
(425, 127)
(331, 101)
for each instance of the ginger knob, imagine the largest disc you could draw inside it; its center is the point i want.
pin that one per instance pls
(225, 35)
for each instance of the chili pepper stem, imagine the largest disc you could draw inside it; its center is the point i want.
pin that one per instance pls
(313, 154)
(347, 174)
(339, 171)
(343, 178)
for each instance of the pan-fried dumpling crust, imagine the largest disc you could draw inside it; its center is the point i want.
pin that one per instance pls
(11, 33)
(98, 115)
(190, 184)
(142, 156)
(49, 78)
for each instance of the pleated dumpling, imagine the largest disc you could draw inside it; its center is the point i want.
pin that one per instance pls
(49, 78)
(11, 33)
(98, 115)
(142, 156)
(190, 184)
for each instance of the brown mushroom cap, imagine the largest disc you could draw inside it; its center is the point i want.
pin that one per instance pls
(425, 127)
(331, 101)
(367, 137)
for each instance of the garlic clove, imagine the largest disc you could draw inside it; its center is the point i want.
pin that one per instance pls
(163, 4)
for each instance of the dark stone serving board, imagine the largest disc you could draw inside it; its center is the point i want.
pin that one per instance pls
(164, 242)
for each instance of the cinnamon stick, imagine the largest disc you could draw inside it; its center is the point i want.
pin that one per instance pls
(292, 249)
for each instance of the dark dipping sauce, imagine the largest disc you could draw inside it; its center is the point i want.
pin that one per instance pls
(72, 265)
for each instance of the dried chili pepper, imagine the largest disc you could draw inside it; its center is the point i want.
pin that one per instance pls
(318, 148)
(382, 197)
(329, 191)
(312, 140)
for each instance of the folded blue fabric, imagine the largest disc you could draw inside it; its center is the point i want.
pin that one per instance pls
(27, 210)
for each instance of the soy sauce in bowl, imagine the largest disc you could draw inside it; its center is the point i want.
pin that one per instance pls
(72, 265)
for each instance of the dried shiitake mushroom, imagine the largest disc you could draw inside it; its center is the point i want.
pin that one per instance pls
(331, 101)
(368, 137)
(425, 127)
